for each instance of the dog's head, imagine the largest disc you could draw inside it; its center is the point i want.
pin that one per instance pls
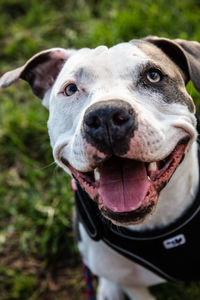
(120, 119)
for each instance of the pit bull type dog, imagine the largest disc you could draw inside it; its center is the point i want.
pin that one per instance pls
(123, 125)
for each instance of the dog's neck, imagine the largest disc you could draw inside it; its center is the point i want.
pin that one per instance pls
(178, 195)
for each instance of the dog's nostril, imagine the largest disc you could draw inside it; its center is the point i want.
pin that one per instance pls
(120, 119)
(93, 122)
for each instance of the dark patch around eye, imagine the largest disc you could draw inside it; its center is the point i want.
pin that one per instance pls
(169, 88)
(154, 76)
(143, 72)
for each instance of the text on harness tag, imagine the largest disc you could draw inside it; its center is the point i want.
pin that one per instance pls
(175, 241)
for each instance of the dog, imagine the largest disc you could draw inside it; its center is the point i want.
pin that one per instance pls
(123, 125)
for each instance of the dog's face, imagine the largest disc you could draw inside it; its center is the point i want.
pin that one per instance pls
(120, 120)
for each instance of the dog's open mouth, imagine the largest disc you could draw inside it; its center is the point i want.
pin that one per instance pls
(127, 190)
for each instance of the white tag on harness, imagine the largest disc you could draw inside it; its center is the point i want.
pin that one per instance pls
(175, 241)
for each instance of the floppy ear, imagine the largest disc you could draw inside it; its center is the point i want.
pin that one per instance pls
(185, 54)
(40, 71)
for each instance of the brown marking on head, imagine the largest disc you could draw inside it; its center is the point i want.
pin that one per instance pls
(40, 71)
(170, 60)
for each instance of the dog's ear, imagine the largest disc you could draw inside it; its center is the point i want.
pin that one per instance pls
(40, 71)
(185, 54)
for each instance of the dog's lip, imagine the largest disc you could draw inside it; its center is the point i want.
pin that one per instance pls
(158, 180)
(157, 168)
(90, 175)
(129, 218)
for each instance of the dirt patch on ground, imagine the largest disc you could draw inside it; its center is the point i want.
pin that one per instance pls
(23, 277)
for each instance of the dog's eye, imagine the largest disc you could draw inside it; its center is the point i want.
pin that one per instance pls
(70, 89)
(154, 75)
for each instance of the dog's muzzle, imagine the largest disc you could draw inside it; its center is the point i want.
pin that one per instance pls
(109, 125)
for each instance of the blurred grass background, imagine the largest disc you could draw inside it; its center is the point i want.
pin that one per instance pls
(38, 256)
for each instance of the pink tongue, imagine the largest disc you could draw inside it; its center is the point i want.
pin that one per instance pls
(123, 184)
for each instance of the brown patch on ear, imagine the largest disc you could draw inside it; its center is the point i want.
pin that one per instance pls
(40, 71)
(192, 52)
(185, 54)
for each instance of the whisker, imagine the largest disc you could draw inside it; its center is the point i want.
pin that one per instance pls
(45, 167)
(55, 171)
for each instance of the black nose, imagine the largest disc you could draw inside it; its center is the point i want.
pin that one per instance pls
(109, 125)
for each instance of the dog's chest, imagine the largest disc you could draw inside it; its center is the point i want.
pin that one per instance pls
(105, 262)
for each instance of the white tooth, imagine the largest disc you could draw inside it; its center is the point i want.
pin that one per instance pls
(96, 174)
(152, 167)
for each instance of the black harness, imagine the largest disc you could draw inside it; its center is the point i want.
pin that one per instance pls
(172, 252)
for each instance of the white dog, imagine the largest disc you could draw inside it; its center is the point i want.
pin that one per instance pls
(122, 124)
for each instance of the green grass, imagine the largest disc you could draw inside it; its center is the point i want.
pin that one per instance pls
(35, 196)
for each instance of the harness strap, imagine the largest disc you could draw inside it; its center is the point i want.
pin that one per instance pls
(88, 213)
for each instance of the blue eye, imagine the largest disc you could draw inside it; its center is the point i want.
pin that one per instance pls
(154, 75)
(70, 89)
